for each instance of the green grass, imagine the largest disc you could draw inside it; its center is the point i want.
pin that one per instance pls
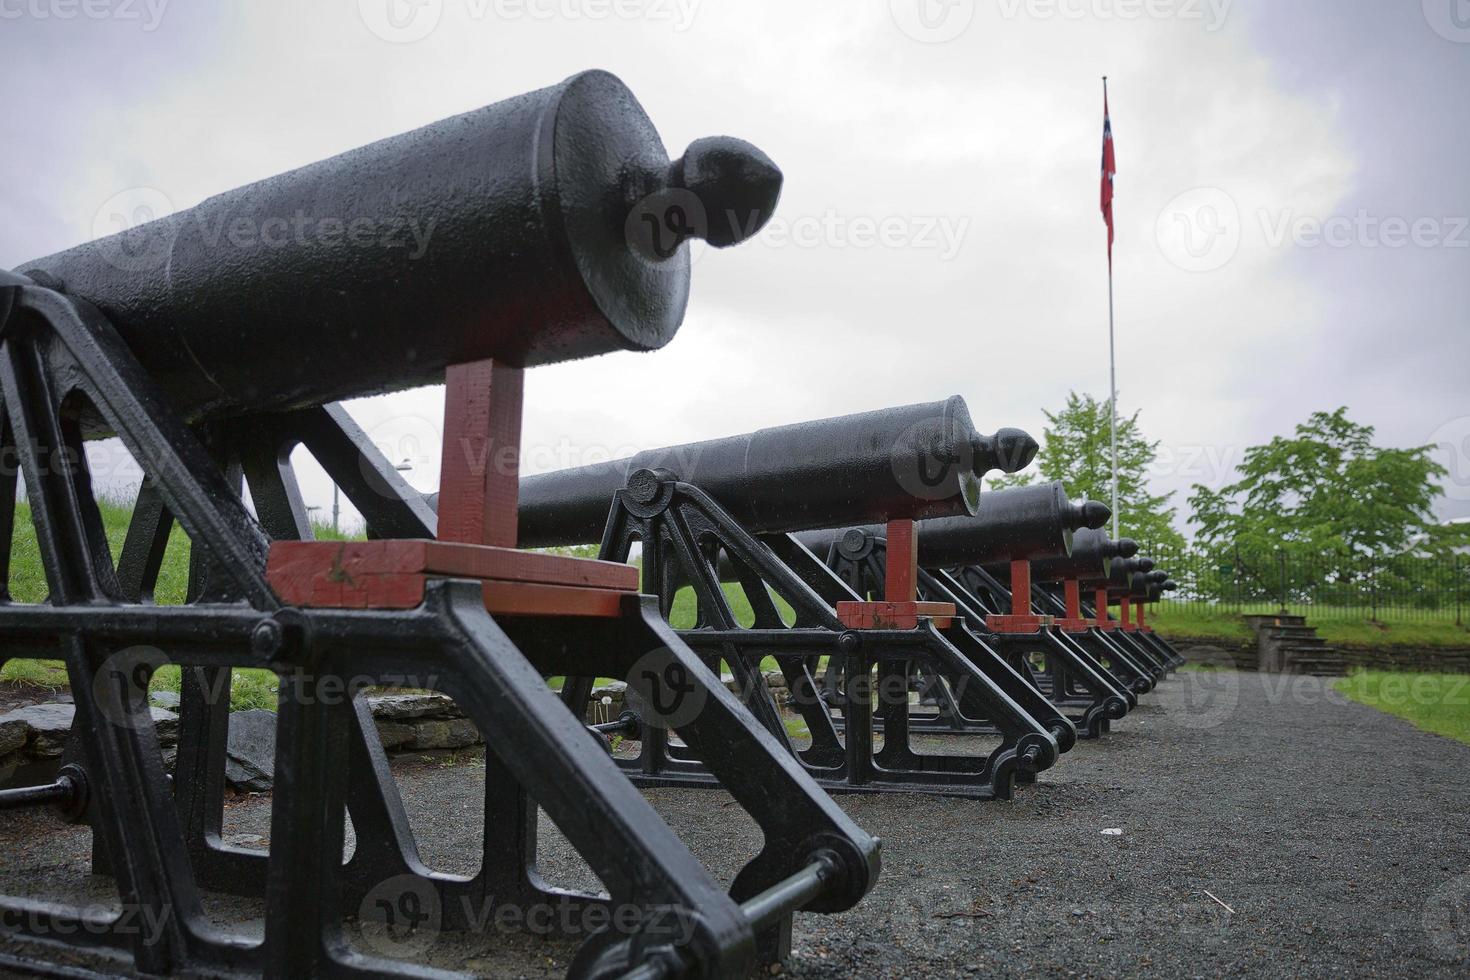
(683, 613)
(1438, 703)
(249, 687)
(1336, 626)
(1198, 622)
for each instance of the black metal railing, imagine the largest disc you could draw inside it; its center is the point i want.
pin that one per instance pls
(1326, 585)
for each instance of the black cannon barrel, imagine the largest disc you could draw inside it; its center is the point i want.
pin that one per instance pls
(1136, 583)
(1119, 570)
(916, 461)
(543, 228)
(1093, 552)
(1023, 522)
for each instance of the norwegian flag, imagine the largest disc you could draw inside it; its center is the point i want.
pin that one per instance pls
(1109, 169)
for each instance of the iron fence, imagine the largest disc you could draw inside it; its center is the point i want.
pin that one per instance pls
(1325, 585)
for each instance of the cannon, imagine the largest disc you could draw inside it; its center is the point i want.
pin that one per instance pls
(1117, 587)
(1142, 589)
(967, 561)
(912, 462)
(1025, 524)
(734, 504)
(274, 296)
(559, 231)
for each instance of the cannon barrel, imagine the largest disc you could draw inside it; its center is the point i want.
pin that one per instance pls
(1136, 583)
(916, 461)
(1092, 556)
(1022, 522)
(1119, 570)
(533, 230)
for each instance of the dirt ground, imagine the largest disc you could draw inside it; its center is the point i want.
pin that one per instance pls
(1255, 825)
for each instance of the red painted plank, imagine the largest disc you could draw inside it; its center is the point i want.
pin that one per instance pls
(479, 482)
(1017, 625)
(1020, 587)
(893, 615)
(531, 599)
(901, 576)
(345, 561)
(1073, 593)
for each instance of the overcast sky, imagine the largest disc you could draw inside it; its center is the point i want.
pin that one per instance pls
(1292, 196)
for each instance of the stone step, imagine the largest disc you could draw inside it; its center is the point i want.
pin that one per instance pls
(1257, 621)
(1311, 649)
(1288, 639)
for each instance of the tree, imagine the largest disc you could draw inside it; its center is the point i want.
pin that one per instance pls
(1077, 450)
(1327, 488)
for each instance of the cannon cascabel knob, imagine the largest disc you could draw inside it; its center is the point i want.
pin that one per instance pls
(736, 184)
(1091, 514)
(1009, 450)
(1126, 548)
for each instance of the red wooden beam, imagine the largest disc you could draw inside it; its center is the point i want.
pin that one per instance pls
(901, 576)
(1020, 587)
(480, 472)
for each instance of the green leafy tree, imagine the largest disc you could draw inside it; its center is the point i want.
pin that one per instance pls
(1076, 449)
(1327, 488)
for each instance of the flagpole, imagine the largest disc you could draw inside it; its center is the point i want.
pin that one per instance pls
(1112, 372)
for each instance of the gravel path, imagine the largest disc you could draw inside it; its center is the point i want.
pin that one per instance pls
(1338, 837)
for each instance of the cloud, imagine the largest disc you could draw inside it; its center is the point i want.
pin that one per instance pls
(938, 232)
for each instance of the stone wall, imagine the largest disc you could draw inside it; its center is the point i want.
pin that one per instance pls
(1236, 654)
(1242, 655)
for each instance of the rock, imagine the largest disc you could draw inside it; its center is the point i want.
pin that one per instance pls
(250, 762)
(617, 690)
(164, 699)
(166, 724)
(400, 707)
(394, 734)
(13, 735)
(452, 733)
(775, 680)
(47, 726)
(8, 765)
(44, 728)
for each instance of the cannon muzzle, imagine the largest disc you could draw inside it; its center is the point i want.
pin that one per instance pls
(544, 228)
(917, 461)
(1093, 553)
(1023, 522)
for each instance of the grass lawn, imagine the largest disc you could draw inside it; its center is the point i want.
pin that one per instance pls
(1334, 626)
(256, 688)
(249, 688)
(1437, 703)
